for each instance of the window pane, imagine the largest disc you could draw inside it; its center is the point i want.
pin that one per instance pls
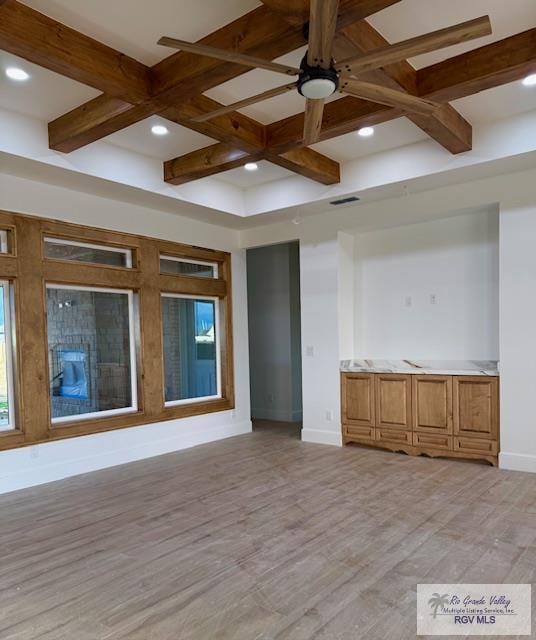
(91, 358)
(6, 418)
(4, 241)
(190, 350)
(80, 252)
(184, 268)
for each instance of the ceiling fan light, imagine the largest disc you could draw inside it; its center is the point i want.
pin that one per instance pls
(318, 88)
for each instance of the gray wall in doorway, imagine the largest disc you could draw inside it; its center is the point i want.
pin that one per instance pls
(275, 332)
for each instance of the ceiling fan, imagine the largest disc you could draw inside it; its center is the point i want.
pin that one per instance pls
(319, 76)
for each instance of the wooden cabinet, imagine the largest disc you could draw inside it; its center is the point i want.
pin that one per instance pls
(476, 407)
(393, 401)
(358, 399)
(432, 404)
(436, 415)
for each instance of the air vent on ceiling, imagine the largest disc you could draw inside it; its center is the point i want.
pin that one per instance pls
(345, 200)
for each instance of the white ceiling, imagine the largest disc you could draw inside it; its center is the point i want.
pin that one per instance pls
(411, 18)
(139, 138)
(266, 172)
(46, 95)
(134, 27)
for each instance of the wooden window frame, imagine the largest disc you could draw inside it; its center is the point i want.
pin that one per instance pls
(28, 271)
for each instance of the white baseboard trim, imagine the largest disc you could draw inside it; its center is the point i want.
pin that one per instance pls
(517, 462)
(322, 436)
(51, 461)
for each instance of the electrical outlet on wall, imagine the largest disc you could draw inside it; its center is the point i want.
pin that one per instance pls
(433, 298)
(408, 301)
(329, 415)
(310, 351)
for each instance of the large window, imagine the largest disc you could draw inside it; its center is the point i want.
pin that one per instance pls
(7, 408)
(191, 351)
(91, 352)
(113, 330)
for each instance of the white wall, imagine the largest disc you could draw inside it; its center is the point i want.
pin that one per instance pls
(319, 270)
(518, 330)
(41, 463)
(398, 271)
(515, 195)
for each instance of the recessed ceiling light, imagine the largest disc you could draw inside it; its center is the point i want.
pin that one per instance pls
(251, 166)
(530, 81)
(159, 130)
(17, 74)
(366, 132)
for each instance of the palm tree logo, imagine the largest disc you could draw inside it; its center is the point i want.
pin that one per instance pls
(437, 601)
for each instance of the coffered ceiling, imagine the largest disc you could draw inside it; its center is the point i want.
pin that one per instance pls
(134, 28)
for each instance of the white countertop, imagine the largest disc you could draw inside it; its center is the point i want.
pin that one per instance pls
(437, 367)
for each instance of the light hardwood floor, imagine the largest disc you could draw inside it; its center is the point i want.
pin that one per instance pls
(257, 537)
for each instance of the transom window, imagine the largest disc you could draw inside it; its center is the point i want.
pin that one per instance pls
(186, 267)
(60, 249)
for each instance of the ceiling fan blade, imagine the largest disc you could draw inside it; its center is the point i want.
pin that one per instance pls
(322, 25)
(228, 56)
(387, 96)
(416, 46)
(271, 93)
(314, 109)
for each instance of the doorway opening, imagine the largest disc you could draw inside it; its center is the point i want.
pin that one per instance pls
(273, 283)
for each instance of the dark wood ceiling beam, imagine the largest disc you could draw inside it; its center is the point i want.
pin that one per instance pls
(489, 66)
(340, 117)
(308, 163)
(446, 126)
(101, 116)
(37, 38)
(205, 162)
(297, 11)
(260, 32)
(484, 68)
(222, 157)
(70, 132)
(230, 128)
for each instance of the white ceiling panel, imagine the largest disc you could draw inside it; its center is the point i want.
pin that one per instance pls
(139, 138)
(134, 27)
(45, 95)
(415, 17)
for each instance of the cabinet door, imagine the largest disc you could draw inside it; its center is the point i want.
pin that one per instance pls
(476, 407)
(358, 399)
(393, 401)
(432, 404)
